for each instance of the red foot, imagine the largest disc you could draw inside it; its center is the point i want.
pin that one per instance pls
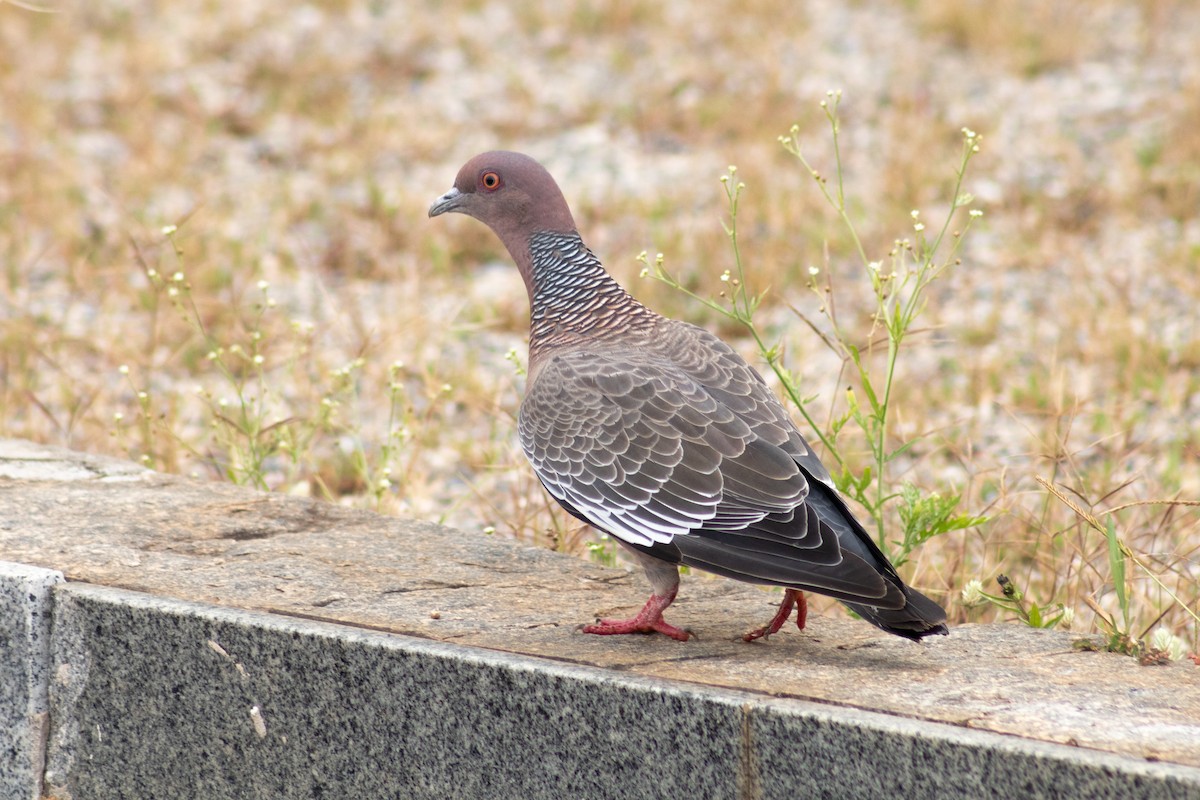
(792, 598)
(648, 620)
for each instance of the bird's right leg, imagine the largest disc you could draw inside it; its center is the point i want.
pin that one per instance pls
(792, 598)
(664, 578)
(648, 620)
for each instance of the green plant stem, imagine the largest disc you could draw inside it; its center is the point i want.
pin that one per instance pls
(899, 298)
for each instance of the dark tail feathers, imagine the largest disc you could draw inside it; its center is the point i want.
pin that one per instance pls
(920, 617)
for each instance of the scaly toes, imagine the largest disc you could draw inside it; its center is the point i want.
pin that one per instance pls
(613, 627)
(758, 633)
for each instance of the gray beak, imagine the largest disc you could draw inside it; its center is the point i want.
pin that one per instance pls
(447, 202)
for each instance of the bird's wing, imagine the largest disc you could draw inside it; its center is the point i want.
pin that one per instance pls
(642, 449)
(645, 453)
(726, 375)
(822, 533)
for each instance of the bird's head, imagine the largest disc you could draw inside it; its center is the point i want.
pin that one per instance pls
(510, 193)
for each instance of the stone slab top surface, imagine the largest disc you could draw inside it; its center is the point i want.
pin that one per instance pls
(111, 523)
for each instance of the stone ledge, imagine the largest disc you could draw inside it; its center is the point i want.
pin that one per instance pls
(25, 610)
(198, 701)
(410, 645)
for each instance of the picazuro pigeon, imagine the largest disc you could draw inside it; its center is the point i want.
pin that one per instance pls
(659, 434)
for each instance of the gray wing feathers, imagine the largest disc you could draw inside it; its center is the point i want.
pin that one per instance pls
(647, 453)
(681, 444)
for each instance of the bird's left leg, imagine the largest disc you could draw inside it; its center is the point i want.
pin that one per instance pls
(792, 598)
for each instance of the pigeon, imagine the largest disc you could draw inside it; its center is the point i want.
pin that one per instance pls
(659, 434)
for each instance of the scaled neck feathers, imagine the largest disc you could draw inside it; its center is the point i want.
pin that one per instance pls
(572, 297)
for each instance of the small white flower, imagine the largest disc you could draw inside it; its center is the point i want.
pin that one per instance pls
(972, 593)
(1068, 617)
(976, 213)
(920, 226)
(263, 285)
(725, 276)
(814, 271)
(1162, 639)
(177, 277)
(258, 359)
(167, 230)
(123, 369)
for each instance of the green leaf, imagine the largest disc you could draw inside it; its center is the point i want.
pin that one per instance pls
(902, 449)
(864, 480)
(835, 427)
(1116, 563)
(925, 516)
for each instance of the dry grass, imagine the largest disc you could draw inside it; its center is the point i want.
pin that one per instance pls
(300, 146)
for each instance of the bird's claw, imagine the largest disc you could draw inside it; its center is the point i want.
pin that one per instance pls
(611, 627)
(648, 620)
(792, 598)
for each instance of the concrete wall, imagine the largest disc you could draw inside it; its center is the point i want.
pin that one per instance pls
(153, 698)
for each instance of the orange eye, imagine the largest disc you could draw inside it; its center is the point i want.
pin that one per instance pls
(490, 180)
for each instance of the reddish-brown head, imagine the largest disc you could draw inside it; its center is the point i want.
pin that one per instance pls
(510, 193)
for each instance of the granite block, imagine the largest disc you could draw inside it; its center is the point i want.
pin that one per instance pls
(194, 701)
(815, 752)
(303, 649)
(225, 545)
(25, 600)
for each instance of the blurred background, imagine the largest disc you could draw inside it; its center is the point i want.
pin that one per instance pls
(216, 258)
